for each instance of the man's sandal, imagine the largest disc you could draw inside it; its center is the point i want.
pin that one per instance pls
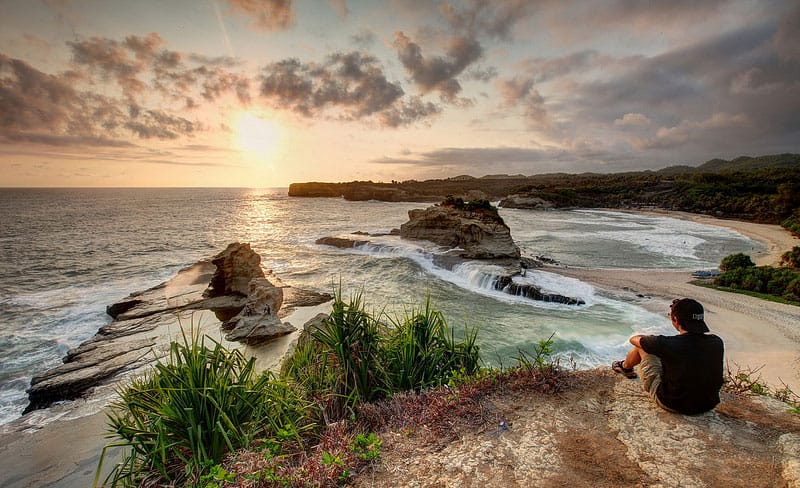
(626, 372)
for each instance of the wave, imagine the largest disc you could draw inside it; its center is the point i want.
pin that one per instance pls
(479, 277)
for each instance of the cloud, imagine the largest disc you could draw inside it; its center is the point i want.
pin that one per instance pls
(61, 140)
(485, 74)
(511, 160)
(486, 17)
(158, 124)
(268, 15)
(340, 6)
(668, 137)
(519, 92)
(632, 120)
(364, 38)
(139, 64)
(64, 108)
(352, 84)
(437, 73)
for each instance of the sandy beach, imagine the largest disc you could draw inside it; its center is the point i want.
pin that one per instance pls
(758, 334)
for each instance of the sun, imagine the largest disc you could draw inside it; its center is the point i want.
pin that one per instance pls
(256, 134)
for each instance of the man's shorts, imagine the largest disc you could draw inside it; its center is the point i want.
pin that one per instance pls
(650, 371)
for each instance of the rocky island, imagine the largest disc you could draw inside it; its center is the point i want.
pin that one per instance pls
(231, 288)
(470, 231)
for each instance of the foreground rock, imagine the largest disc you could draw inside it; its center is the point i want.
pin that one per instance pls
(602, 430)
(230, 292)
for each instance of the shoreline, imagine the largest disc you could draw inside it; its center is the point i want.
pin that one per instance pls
(758, 334)
(776, 239)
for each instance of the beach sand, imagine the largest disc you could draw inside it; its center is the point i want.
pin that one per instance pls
(758, 334)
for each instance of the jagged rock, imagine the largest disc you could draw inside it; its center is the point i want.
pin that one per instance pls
(294, 298)
(258, 322)
(525, 201)
(506, 284)
(255, 330)
(236, 266)
(481, 233)
(232, 286)
(340, 242)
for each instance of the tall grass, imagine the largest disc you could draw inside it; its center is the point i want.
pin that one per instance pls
(354, 357)
(421, 351)
(194, 408)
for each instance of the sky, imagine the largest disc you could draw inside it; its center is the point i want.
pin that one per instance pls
(264, 93)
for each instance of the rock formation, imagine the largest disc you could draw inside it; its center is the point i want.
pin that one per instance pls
(232, 285)
(478, 234)
(525, 201)
(507, 284)
(473, 231)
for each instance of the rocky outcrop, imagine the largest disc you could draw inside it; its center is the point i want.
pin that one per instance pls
(525, 201)
(258, 321)
(506, 284)
(232, 287)
(340, 242)
(236, 266)
(477, 234)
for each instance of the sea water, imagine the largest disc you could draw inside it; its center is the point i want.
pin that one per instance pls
(65, 254)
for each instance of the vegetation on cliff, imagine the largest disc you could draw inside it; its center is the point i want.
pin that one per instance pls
(740, 274)
(762, 189)
(203, 403)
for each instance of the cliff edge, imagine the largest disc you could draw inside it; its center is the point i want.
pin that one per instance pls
(599, 430)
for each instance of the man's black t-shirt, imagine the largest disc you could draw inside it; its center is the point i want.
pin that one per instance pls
(692, 370)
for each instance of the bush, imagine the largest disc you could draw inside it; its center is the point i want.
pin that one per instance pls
(421, 351)
(193, 409)
(780, 282)
(352, 357)
(792, 223)
(791, 259)
(734, 261)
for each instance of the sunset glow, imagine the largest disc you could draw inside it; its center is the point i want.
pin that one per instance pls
(185, 93)
(256, 135)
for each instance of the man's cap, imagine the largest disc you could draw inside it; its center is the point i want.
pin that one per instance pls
(690, 315)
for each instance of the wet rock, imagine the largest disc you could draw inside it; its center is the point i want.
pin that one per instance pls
(506, 284)
(340, 242)
(525, 201)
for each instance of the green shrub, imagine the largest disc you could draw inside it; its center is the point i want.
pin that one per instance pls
(351, 349)
(791, 259)
(421, 351)
(191, 410)
(735, 261)
(352, 357)
(792, 223)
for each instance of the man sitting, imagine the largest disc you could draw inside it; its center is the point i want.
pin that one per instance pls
(682, 373)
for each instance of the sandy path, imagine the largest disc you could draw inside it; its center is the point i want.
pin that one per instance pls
(757, 333)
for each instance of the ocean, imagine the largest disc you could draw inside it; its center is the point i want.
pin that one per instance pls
(66, 254)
